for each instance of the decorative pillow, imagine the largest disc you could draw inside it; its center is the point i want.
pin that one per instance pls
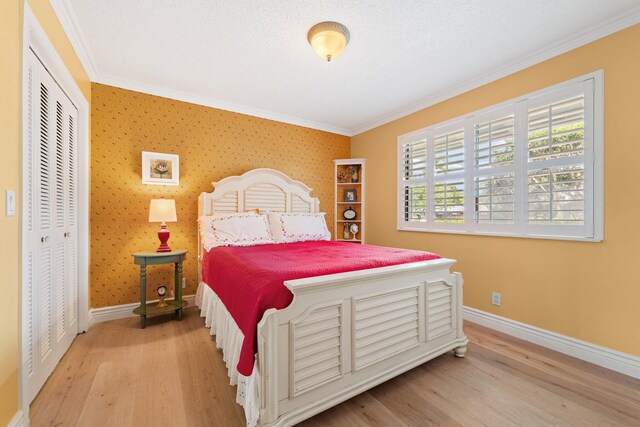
(234, 229)
(206, 233)
(298, 227)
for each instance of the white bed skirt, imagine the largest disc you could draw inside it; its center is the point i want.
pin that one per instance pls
(229, 338)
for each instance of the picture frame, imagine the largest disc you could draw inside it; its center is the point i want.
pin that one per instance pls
(350, 195)
(160, 168)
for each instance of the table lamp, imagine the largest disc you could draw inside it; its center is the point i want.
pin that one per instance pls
(163, 211)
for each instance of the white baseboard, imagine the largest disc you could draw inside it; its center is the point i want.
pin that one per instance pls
(103, 314)
(18, 420)
(598, 355)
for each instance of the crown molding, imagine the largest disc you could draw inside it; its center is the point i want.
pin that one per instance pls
(72, 28)
(216, 103)
(610, 26)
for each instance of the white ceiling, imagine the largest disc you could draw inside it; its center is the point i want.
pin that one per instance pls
(252, 56)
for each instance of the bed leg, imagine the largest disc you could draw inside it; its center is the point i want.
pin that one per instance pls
(460, 351)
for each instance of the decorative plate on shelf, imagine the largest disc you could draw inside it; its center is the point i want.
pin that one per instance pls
(349, 214)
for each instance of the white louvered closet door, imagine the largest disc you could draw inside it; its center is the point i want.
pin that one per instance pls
(51, 229)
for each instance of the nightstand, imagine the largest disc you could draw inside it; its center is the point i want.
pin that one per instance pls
(144, 259)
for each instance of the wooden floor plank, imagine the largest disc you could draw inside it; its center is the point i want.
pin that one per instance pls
(594, 390)
(578, 374)
(171, 374)
(204, 379)
(485, 336)
(361, 411)
(561, 410)
(589, 398)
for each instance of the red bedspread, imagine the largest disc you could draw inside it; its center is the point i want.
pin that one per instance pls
(249, 280)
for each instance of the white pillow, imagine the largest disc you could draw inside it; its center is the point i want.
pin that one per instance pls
(234, 229)
(298, 227)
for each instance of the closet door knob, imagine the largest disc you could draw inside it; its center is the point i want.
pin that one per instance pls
(67, 234)
(44, 239)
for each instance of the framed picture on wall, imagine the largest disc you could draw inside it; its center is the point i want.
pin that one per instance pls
(160, 168)
(350, 195)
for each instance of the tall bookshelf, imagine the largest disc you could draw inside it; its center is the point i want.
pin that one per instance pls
(348, 177)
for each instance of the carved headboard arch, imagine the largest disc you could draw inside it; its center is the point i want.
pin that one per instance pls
(263, 188)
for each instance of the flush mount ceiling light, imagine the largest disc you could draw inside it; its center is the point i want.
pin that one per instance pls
(328, 39)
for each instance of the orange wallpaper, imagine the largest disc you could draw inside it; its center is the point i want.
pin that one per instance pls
(212, 144)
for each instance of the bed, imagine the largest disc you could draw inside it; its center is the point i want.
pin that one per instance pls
(342, 333)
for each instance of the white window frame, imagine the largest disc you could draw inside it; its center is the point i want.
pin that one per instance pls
(591, 85)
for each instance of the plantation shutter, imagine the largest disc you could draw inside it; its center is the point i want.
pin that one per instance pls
(556, 162)
(530, 167)
(448, 171)
(494, 183)
(414, 189)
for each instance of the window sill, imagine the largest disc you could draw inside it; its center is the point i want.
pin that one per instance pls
(497, 234)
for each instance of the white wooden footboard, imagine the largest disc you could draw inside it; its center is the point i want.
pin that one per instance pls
(345, 333)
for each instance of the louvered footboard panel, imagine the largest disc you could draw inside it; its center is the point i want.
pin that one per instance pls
(440, 310)
(384, 325)
(317, 348)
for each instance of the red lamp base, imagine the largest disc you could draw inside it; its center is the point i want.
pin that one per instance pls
(163, 235)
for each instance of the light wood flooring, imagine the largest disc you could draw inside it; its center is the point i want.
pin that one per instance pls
(171, 374)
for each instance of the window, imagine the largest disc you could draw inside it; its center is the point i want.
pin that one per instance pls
(529, 167)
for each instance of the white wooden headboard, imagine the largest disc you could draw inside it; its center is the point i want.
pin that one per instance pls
(264, 189)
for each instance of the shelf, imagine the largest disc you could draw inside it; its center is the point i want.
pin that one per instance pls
(346, 170)
(152, 308)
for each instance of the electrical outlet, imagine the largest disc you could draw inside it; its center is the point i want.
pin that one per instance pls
(184, 282)
(496, 298)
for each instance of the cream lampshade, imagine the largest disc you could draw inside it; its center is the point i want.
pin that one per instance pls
(328, 39)
(163, 211)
